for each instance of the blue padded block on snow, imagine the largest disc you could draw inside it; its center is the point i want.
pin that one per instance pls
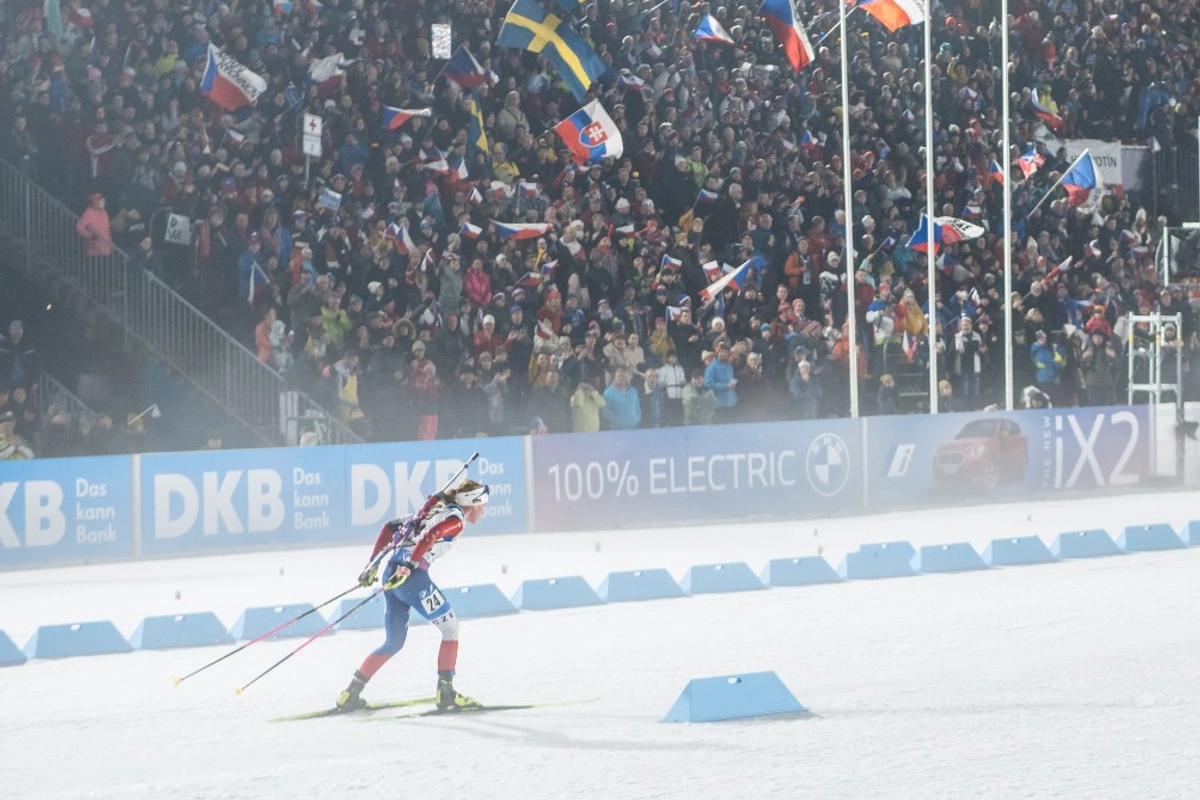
(480, 600)
(956, 557)
(1091, 543)
(1191, 534)
(367, 618)
(639, 584)
(254, 622)
(180, 630)
(77, 639)
(10, 654)
(886, 560)
(1157, 536)
(800, 571)
(568, 592)
(714, 578)
(1018, 552)
(754, 694)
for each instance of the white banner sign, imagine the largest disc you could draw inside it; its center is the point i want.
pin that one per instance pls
(1107, 156)
(179, 230)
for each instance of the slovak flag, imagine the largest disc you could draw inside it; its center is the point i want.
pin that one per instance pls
(731, 280)
(1046, 110)
(995, 172)
(711, 30)
(782, 17)
(522, 230)
(590, 134)
(393, 118)
(471, 231)
(895, 14)
(228, 83)
(1080, 179)
(946, 230)
(1030, 162)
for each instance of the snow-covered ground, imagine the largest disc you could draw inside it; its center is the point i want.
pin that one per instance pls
(1076, 679)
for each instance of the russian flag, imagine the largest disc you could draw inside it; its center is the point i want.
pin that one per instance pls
(995, 171)
(1047, 110)
(393, 118)
(782, 17)
(711, 30)
(228, 83)
(732, 280)
(471, 231)
(590, 134)
(522, 230)
(895, 14)
(1080, 179)
(1030, 162)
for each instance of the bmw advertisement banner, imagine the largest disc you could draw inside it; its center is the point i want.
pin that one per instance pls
(65, 511)
(669, 476)
(1007, 455)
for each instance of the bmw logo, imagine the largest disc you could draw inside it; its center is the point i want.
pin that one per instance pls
(827, 463)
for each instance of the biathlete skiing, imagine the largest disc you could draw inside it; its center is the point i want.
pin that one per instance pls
(405, 549)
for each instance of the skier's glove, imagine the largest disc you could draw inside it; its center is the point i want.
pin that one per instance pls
(401, 575)
(367, 576)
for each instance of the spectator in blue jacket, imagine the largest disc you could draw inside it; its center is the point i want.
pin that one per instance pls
(1048, 363)
(623, 408)
(718, 376)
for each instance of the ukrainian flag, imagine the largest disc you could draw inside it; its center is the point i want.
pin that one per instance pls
(476, 135)
(528, 26)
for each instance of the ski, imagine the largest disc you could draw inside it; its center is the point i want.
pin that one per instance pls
(484, 709)
(370, 708)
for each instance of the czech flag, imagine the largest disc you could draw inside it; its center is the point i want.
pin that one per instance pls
(712, 271)
(711, 30)
(522, 230)
(463, 69)
(1047, 110)
(670, 263)
(995, 172)
(946, 230)
(471, 231)
(782, 17)
(228, 83)
(590, 134)
(732, 280)
(393, 118)
(1030, 162)
(706, 196)
(895, 14)
(530, 280)
(1080, 179)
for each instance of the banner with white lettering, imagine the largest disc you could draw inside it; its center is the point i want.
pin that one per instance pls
(1108, 157)
(65, 511)
(670, 476)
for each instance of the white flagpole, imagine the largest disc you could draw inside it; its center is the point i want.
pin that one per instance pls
(1005, 164)
(929, 209)
(847, 199)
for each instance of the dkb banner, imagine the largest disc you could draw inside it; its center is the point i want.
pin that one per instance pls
(65, 510)
(695, 474)
(951, 457)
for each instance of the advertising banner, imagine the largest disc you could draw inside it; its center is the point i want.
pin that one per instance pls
(695, 474)
(65, 511)
(209, 502)
(932, 460)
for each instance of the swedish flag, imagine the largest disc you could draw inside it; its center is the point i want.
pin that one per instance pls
(476, 135)
(528, 26)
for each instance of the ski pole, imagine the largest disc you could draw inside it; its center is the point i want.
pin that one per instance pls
(312, 639)
(262, 636)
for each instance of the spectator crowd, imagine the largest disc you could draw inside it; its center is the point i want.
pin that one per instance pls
(372, 276)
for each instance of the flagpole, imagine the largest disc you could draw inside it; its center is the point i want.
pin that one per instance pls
(1006, 171)
(847, 199)
(1058, 182)
(929, 211)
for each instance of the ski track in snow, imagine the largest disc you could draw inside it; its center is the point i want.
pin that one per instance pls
(1074, 680)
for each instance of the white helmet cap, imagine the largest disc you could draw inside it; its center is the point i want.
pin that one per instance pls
(477, 496)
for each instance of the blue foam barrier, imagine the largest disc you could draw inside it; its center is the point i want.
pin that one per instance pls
(1017, 551)
(569, 592)
(800, 571)
(255, 622)
(956, 557)
(179, 630)
(715, 578)
(76, 639)
(1191, 534)
(886, 560)
(1157, 536)
(639, 584)
(754, 694)
(369, 617)
(10, 654)
(480, 600)
(1092, 543)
